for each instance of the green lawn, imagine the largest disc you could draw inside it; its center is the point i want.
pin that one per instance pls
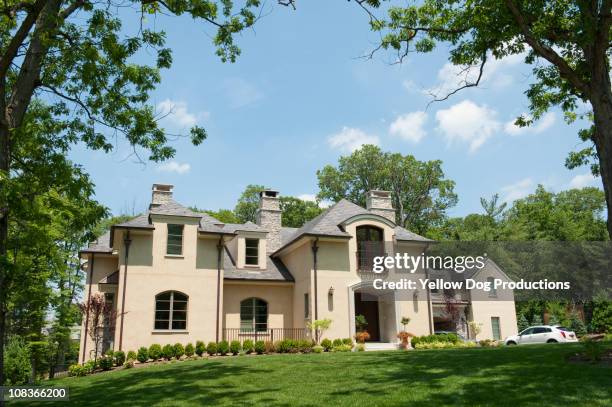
(517, 376)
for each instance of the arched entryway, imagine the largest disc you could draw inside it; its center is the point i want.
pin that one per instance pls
(379, 307)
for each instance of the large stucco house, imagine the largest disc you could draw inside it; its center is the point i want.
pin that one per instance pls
(174, 275)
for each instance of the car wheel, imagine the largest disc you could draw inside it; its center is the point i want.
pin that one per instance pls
(511, 343)
(551, 341)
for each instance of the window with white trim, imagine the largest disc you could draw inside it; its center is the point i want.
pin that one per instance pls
(174, 244)
(251, 252)
(171, 310)
(253, 315)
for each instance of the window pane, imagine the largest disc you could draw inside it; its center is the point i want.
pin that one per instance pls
(164, 296)
(174, 249)
(179, 306)
(179, 297)
(174, 243)
(179, 315)
(495, 328)
(179, 325)
(252, 251)
(175, 229)
(162, 315)
(161, 324)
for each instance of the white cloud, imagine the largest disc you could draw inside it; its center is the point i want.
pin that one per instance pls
(177, 115)
(547, 121)
(409, 126)
(350, 139)
(583, 180)
(175, 167)
(241, 93)
(517, 190)
(496, 73)
(308, 197)
(468, 123)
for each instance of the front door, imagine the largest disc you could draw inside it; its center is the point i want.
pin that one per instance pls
(367, 306)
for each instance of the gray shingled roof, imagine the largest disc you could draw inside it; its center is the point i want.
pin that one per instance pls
(174, 208)
(406, 235)
(101, 245)
(275, 270)
(140, 221)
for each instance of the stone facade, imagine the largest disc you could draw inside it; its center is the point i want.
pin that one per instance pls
(269, 218)
(379, 203)
(161, 194)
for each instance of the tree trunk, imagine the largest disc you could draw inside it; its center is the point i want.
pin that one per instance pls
(602, 112)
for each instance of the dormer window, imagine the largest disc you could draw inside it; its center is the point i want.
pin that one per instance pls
(251, 252)
(174, 244)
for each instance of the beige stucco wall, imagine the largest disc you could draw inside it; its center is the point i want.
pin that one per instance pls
(151, 272)
(279, 297)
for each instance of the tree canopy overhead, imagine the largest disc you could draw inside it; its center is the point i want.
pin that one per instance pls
(567, 43)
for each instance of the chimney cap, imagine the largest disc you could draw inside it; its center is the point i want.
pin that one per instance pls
(268, 193)
(163, 187)
(379, 193)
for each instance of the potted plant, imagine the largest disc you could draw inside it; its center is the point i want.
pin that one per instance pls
(361, 337)
(404, 338)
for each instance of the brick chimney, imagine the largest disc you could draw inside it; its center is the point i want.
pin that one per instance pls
(379, 203)
(161, 194)
(269, 218)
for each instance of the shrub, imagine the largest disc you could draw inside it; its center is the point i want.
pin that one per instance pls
(235, 347)
(119, 357)
(287, 346)
(90, 366)
(168, 352)
(317, 349)
(143, 355)
(337, 342)
(106, 363)
(361, 337)
(248, 346)
(442, 338)
(211, 349)
(200, 348)
(77, 370)
(179, 350)
(487, 343)
(360, 347)
(128, 364)
(269, 346)
(347, 341)
(593, 350)
(260, 347)
(305, 345)
(327, 344)
(223, 348)
(343, 348)
(109, 353)
(17, 361)
(189, 350)
(132, 355)
(577, 325)
(602, 317)
(155, 352)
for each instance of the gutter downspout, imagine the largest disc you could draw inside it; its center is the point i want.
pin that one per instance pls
(220, 246)
(91, 267)
(127, 241)
(315, 249)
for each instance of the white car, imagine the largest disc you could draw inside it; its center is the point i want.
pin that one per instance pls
(542, 334)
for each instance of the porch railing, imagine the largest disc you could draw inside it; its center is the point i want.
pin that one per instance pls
(270, 334)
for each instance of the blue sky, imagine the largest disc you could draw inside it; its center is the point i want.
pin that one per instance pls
(299, 97)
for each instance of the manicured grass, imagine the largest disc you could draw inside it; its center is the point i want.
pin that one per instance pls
(516, 376)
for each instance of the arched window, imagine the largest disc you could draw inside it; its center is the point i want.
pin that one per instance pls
(253, 315)
(370, 243)
(171, 310)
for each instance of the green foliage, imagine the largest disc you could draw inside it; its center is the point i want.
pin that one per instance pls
(405, 321)
(593, 349)
(337, 342)
(167, 352)
(577, 324)
(342, 348)
(602, 317)
(106, 362)
(189, 350)
(319, 326)
(223, 348)
(91, 365)
(17, 362)
(452, 339)
(128, 364)
(260, 347)
(537, 320)
(419, 191)
(248, 203)
(360, 323)
(360, 347)
(287, 346)
(318, 349)
(211, 348)
(305, 345)
(143, 354)
(132, 355)
(235, 347)
(119, 357)
(77, 370)
(155, 352)
(224, 215)
(522, 322)
(327, 344)
(347, 341)
(179, 350)
(200, 348)
(248, 346)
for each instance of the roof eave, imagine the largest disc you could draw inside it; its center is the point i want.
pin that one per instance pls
(308, 235)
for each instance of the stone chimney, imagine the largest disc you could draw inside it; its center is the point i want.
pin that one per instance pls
(269, 218)
(161, 194)
(379, 203)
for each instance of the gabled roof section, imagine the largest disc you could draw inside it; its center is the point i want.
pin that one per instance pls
(174, 208)
(101, 245)
(404, 235)
(275, 270)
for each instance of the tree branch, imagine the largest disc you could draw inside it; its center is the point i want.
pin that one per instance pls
(547, 52)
